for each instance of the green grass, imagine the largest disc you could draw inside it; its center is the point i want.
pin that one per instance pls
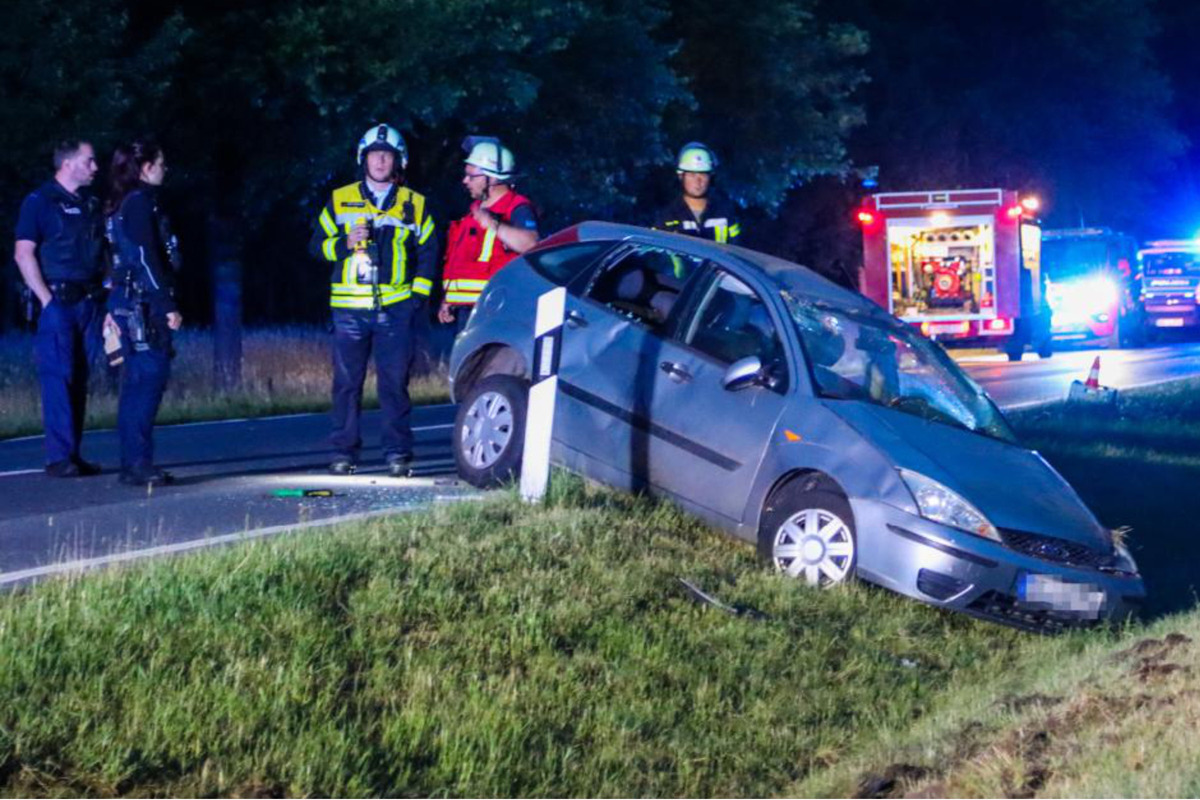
(1090, 716)
(481, 649)
(498, 649)
(285, 370)
(1136, 466)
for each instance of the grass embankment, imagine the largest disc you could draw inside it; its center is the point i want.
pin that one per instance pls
(284, 370)
(1137, 465)
(1118, 718)
(480, 649)
(497, 649)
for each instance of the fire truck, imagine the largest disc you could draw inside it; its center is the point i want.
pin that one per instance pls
(1092, 286)
(1170, 284)
(962, 265)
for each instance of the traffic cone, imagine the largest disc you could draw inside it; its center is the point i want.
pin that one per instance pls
(1091, 391)
(1093, 381)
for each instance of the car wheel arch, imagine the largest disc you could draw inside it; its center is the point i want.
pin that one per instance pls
(490, 359)
(787, 523)
(811, 479)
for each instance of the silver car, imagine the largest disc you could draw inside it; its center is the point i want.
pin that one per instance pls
(789, 412)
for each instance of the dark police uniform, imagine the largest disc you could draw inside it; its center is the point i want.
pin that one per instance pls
(68, 231)
(718, 223)
(145, 263)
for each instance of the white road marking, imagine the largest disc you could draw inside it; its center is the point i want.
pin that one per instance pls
(266, 457)
(227, 421)
(196, 544)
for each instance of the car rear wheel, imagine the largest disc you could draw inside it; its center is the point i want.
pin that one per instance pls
(808, 533)
(489, 431)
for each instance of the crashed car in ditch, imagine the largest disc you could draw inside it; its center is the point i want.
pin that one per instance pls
(790, 412)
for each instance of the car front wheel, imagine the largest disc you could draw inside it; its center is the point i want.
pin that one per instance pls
(808, 533)
(489, 431)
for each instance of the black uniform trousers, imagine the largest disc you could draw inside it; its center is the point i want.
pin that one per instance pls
(144, 375)
(388, 335)
(66, 344)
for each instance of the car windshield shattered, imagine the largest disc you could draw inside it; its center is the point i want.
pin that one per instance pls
(856, 356)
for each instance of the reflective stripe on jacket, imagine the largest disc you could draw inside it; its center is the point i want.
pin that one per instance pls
(719, 222)
(474, 254)
(402, 246)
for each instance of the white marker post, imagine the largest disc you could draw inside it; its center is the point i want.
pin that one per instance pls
(539, 421)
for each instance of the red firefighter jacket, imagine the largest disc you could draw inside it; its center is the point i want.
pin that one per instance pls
(474, 254)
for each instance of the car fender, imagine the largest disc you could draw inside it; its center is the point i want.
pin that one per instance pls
(810, 440)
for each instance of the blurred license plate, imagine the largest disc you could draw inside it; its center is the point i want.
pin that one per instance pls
(949, 327)
(1055, 594)
(1169, 322)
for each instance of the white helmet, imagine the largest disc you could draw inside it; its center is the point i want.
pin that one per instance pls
(383, 137)
(490, 156)
(696, 157)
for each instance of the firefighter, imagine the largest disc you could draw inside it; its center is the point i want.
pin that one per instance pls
(59, 250)
(141, 306)
(378, 237)
(500, 225)
(698, 211)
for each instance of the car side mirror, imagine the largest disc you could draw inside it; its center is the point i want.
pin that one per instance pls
(744, 373)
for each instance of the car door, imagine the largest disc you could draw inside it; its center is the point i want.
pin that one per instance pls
(709, 440)
(614, 328)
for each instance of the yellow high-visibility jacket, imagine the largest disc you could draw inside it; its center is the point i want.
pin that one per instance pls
(402, 246)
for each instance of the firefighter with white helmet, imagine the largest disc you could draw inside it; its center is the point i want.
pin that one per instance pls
(377, 236)
(500, 225)
(698, 211)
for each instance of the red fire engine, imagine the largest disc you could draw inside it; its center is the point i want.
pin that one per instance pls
(961, 265)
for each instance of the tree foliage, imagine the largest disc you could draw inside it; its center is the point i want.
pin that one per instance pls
(73, 70)
(773, 88)
(1061, 98)
(261, 105)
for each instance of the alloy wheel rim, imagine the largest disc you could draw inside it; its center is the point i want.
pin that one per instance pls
(487, 429)
(814, 545)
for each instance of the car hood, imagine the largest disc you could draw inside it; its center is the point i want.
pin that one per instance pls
(1014, 488)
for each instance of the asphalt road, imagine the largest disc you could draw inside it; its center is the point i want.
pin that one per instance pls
(1034, 380)
(229, 470)
(227, 474)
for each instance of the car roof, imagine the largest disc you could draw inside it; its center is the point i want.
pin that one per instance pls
(797, 280)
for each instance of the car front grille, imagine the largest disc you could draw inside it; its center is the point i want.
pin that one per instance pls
(1057, 551)
(1003, 608)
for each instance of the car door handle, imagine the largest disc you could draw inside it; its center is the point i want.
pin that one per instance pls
(676, 372)
(576, 320)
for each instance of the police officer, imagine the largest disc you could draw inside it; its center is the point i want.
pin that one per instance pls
(500, 225)
(59, 250)
(141, 305)
(698, 211)
(377, 236)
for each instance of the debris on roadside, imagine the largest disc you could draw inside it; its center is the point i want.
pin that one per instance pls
(305, 493)
(701, 596)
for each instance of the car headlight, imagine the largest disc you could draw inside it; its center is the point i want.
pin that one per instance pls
(937, 503)
(1124, 559)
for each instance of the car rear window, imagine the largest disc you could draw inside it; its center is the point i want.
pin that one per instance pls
(562, 264)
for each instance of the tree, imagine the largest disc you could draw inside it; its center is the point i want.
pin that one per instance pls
(774, 92)
(70, 70)
(1060, 98)
(579, 89)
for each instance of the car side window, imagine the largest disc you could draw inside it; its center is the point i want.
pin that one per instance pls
(732, 322)
(644, 284)
(562, 264)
